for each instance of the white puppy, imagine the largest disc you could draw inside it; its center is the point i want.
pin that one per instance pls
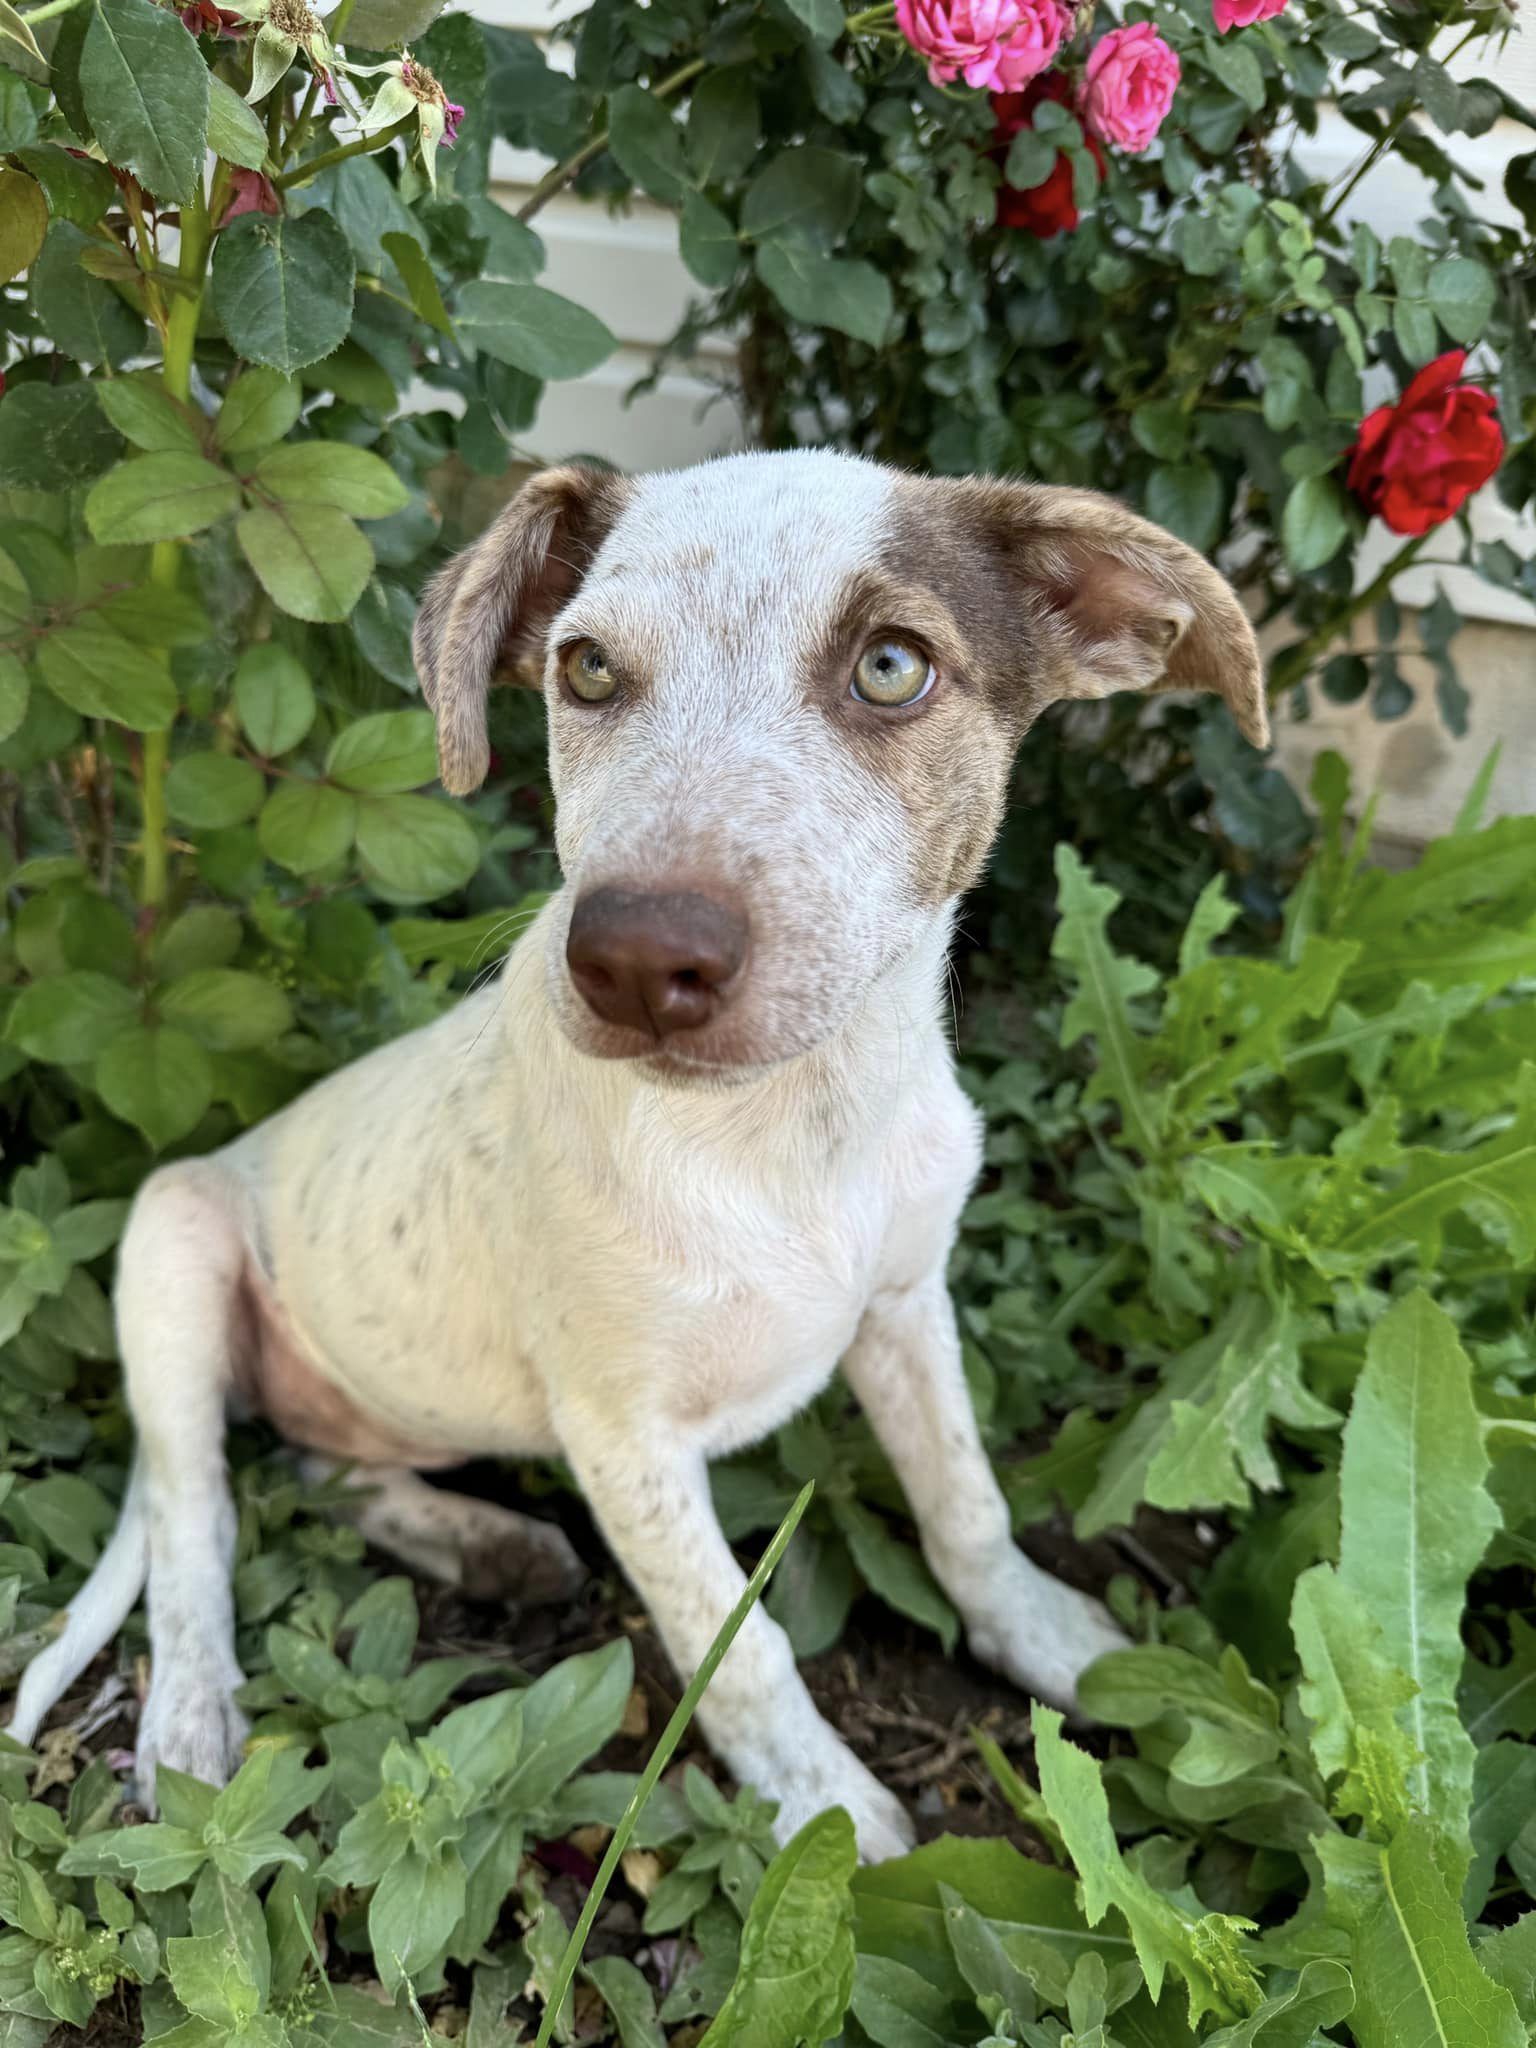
(702, 1140)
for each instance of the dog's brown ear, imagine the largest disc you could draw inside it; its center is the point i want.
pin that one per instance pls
(483, 617)
(1121, 605)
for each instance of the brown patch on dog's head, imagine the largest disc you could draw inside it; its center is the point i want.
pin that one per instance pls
(1021, 595)
(1064, 593)
(484, 617)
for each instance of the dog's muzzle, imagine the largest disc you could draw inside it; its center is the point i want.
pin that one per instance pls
(654, 962)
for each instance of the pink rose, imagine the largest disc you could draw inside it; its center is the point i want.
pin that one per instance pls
(998, 44)
(1129, 86)
(1244, 13)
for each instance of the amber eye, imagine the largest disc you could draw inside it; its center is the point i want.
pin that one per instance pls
(890, 674)
(588, 673)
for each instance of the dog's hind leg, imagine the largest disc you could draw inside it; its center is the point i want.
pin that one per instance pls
(486, 1551)
(178, 1312)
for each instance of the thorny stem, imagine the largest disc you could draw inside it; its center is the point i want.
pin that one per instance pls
(364, 145)
(557, 179)
(1293, 663)
(165, 562)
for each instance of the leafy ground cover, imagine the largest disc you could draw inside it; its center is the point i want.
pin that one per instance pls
(1257, 1224)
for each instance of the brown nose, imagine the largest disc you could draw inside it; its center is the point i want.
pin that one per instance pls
(656, 963)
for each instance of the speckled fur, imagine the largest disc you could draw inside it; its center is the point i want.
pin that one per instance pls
(523, 1231)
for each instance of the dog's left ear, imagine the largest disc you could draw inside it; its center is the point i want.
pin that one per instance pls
(1116, 603)
(483, 617)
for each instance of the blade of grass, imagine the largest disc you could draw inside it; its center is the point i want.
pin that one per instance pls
(671, 1735)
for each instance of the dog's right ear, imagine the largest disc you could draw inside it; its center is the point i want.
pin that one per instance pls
(487, 611)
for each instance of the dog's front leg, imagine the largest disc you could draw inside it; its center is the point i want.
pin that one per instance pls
(650, 1493)
(906, 1370)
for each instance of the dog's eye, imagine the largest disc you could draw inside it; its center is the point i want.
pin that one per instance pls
(588, 673)
(890, 674)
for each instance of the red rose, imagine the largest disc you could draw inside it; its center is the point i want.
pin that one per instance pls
(249, 192)
(1047, 209)
(1417, 462)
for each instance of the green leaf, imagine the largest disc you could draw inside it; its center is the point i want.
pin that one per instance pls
(627, 1996)
(225, 1009)
(13, 29)
(157, 1079)
(259, 408)
(144, 413)
(1106, 984)
(822, 18)
(898, 2008)
(411, 261)
(52, 436)
(84, 316)
(1202, 1948)
(71, 1017)
(1322, 1995)
(234, 132)
(806, 194)
(390, 752)
(211, 1978)
(896, 1571)
(1187, 498)
(387, 24)
(416, 847)
(273, 698)
(353, 480)
(1462, 295)
(797, 1951)
(1314, 524)
(1352, 1693)
(157, 1857)
(413, 1913)
(1232, 1722)
(307, 825)
(1216, 1445)
(23, 222)
(567, 1716)
(145, 89)
(282, 287)
(844, 293)
(159, 497)
(1501, 1699)
(78, 189)
(724, 124)
(1497, 1178)
(533, 329)
(102, 675)
(1416, 1517)
(213, 790)
(708, 242)
(311, 560)
(1417, 1982)
(647, 144)
(15, 694)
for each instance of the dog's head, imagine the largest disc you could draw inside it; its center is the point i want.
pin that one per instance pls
(784, 694)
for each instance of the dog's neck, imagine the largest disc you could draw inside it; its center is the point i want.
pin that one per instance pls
(835, 1099)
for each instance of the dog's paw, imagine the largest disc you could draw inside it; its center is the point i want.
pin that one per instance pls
(1043, 1635)
(190, 1723)
(881, 1824)
(526, 1563)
